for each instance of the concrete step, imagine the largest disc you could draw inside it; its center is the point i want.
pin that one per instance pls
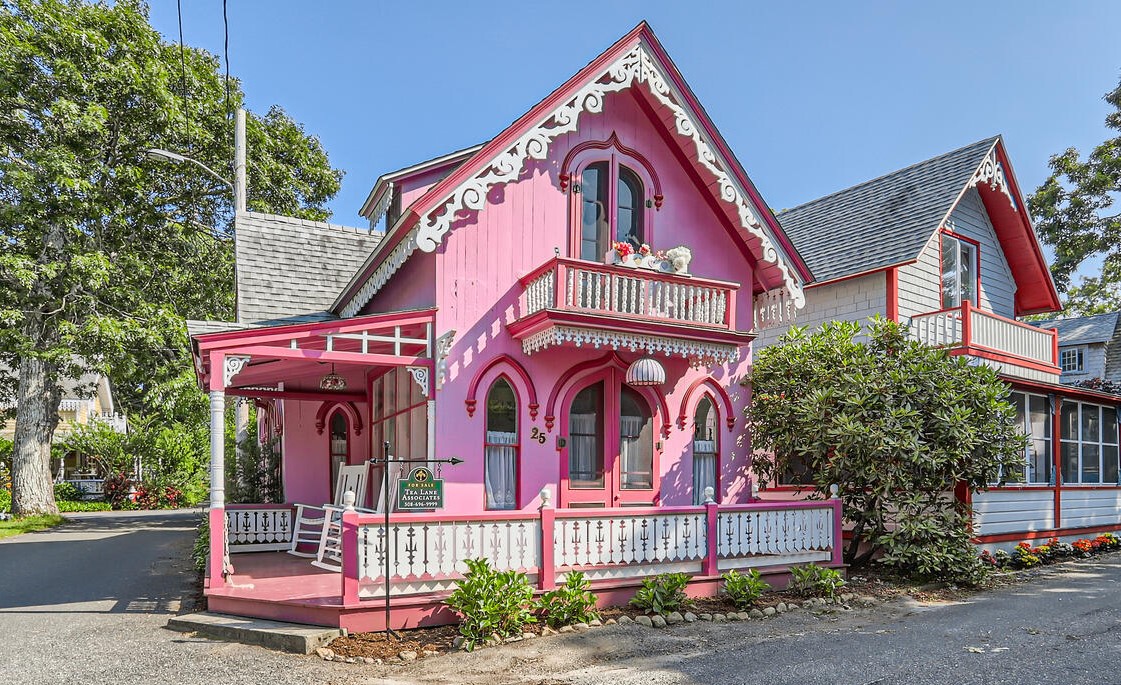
(285, 637)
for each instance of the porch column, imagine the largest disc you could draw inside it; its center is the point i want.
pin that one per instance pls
(217, 448)
(216, 565)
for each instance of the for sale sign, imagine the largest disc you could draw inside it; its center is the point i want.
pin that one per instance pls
(420, 491)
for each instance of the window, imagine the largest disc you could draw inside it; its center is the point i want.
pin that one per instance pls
(1033, 414)
(636, 442)
(704, 450)
(959, 272)
(1088, 443)
(1071, 359)
(612, 208)
(501, 447)
(339, 445)
(585, 430)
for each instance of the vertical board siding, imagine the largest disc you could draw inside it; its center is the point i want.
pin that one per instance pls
(1013, 511)
(1082, 508)
(856, 299)
(1093, 363)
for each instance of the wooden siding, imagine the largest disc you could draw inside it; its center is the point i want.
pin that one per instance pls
(920, 288)
(1013, 511)
(1085, 507)
(856, 299)
(1093, 362)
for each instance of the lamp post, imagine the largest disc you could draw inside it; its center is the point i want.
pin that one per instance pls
(238, 186)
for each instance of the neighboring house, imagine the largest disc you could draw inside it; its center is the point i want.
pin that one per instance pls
(595, 401)
(946, 246)
(1089, 347)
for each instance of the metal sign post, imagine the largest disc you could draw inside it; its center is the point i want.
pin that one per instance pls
(385, 460)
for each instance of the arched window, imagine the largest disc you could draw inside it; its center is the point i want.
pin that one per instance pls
(612, 207)
(636, 442)
(501, 447)
(705, 449)
(585, 430)
(340, 445)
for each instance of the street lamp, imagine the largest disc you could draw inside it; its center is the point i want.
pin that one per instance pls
(238, 186)
(158, 155)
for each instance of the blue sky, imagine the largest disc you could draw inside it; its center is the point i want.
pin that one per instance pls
(812, 96)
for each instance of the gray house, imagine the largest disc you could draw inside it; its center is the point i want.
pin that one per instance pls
(1089, 347)
(947, 248)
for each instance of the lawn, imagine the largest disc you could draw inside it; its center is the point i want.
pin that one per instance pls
(26, 525)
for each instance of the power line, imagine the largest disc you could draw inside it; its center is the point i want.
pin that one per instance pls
(183, 78)
(226, 55)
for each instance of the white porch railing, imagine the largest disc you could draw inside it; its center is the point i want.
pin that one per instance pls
(632, 293)
(258, 527)
(969, 327)
(428, 551)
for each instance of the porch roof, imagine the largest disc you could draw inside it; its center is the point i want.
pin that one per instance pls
(290, 360)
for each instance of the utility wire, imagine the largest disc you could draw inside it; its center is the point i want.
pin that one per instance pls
(183, 79)
(226, 54)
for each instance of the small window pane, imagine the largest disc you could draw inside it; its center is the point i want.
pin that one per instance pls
(636, 447)
(1109, 425)
(968, 270)
(950, 292)
(585, 434)
(501, 408)
(1109, 464)
(1039, 461)
(1091, 464)
(1040, 417)
(1091, 423)
(1069, 421)
(1070, 462)
(594, 217)
(630, 212)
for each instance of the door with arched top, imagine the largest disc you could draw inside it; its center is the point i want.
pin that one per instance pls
(339, 445)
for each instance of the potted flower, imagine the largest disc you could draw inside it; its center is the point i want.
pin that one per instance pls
(621, 252)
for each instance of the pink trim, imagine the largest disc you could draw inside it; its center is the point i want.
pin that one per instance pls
(611, 359)
(254, 506)
(717, 391)
(518, 369)
(379, 519)
(347, 408)
(350, 557)
(215, 564)
(298, 395)
(712, 557)
(307, 330)
(547, 574)
(838, 535)
(275, 352)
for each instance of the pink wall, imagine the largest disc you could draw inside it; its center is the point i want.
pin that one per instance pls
(306, 466)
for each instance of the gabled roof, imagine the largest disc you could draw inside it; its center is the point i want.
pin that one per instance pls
(887, 221)
(637, 59)
(378, 199)
(1084, 330)
(290, 270)
(882, 222)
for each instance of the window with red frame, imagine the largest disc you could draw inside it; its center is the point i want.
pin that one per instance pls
(612, 208)
(501, 447)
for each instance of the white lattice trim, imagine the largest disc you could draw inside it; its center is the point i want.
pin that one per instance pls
(992, 172)
(635, 66)
(698, 353)
(381, 276)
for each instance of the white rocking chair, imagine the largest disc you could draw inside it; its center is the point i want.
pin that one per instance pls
(312, 521)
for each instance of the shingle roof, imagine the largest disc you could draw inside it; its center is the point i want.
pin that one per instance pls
(290, 270)
(884, 221)
(203, 327)
(1083, 330)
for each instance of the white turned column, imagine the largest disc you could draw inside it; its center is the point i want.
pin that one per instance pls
(217, 449)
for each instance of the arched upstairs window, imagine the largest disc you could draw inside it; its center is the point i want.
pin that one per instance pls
(612, 208)
(636, 442)
(501, 447)
(705, 450)
(340, 445)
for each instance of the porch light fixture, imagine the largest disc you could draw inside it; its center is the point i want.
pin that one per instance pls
(332, 381)
(646, 371)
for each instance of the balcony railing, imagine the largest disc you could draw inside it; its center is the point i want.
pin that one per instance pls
(972, 328)
(631, 293)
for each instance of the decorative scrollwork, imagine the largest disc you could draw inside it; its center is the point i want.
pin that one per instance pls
(698, 353)
(992, 172)
(420, 375)
(232, 366)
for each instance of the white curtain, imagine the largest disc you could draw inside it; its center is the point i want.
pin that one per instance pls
(704, 469)
(501, 470)
(582, 461)
(636, 453)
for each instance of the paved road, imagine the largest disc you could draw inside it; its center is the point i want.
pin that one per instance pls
(86, 603)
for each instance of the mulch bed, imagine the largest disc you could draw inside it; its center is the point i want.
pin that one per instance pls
(382, 646)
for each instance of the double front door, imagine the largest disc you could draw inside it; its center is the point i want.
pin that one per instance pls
(609, 458)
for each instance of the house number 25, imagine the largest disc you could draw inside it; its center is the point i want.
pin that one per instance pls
(538, 436)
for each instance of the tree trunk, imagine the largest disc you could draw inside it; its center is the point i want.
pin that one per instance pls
(36, 419)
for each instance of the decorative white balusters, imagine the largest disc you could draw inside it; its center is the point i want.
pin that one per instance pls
(258, 529)
(803, 532)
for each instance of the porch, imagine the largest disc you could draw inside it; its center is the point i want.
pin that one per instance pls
(615, 548)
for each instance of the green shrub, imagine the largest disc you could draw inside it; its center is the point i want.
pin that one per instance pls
(5, 499)
(67, 492)
(65, 506)
(812, 580)
(662, 594)
(931, 545)
(572, 602)
(202, 546)
(491, 603)
(744, 588)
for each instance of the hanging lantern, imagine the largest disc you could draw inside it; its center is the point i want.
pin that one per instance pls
(646, 371)
(332, 381)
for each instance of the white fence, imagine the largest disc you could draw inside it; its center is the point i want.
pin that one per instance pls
(253, 528)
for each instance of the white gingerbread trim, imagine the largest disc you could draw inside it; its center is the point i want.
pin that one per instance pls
(232, 366)
(773, 308)
(443, 348)
(698, 353)
(992, 172)
(383, 204)
(420, 375)
(380, 277)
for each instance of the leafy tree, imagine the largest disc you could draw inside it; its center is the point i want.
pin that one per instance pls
(104, 252)
(895, 425)
(1076, 213)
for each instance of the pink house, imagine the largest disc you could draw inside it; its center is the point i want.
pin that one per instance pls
(593, 396)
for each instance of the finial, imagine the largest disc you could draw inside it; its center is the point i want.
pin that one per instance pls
(709, 492)
(348, 500)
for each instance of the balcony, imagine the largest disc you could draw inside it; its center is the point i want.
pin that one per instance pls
(573, 302)
(1014, 347)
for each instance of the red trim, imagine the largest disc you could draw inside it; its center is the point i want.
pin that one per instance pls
(612, 141)
(519, 371)
(1062, 390)
(347, 408)
(546, 318)
(1053, 533)
(892, 278)
(319, 328)
(716, 390)
(996, 355)
(297, 395)
(517, 446)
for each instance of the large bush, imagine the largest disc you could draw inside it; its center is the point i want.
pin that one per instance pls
(896, 425)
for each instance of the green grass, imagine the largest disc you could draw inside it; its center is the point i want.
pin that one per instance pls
(68, 506)
(26, 525)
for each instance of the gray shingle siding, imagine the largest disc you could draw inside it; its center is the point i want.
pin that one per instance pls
(855, 299)
(998, 287)
(291, 270)
(1100, 338)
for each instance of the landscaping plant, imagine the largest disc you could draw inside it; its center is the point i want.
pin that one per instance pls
(491, 603)
(896, 425)
(67, 492)
(571, 603)
(662, 594)
(743, 589)
(202, 545)
(812, 580)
